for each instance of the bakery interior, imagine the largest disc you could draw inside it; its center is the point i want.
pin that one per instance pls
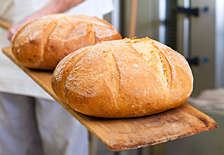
(195, 29)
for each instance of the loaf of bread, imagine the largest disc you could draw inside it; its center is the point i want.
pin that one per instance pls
(123, 78)
(42, 43)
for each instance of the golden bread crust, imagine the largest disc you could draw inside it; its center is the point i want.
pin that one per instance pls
(123, 78)
(42, 43)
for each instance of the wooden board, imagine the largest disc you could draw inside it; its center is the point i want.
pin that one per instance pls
(131, 133)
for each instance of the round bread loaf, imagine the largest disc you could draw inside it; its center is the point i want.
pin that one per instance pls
(123, 78)
(42, 43)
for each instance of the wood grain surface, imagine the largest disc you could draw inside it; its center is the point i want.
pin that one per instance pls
(131, 133)
(4, 24)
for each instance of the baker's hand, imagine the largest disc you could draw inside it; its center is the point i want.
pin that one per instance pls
(13, 30)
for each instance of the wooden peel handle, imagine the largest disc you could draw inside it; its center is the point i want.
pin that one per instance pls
(5, 24)
(133, 18)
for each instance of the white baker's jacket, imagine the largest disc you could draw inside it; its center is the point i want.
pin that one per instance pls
(13, 79)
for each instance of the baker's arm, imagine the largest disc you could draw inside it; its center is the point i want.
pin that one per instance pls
(54, 6)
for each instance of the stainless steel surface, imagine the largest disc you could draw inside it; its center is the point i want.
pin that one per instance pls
(186, 31)
(115, 15)
(162, 20)
(183, 30)
(202, 45)
(196, 38)
(219, 44)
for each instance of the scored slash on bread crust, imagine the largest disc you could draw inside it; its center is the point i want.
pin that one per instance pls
(152, 56)
(42, 43)
(123, 78)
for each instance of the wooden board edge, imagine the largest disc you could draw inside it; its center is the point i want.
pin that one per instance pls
(136, 146)
(210, 124)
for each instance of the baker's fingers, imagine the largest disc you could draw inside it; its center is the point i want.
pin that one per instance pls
(12, 31)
